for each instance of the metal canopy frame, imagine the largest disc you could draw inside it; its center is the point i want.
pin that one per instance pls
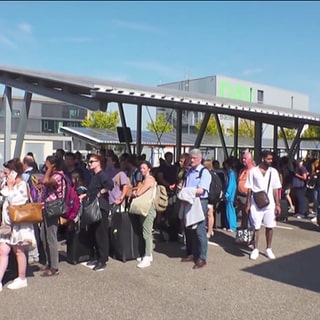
(95, 94)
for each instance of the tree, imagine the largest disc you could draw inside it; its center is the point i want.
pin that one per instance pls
(290, 133)
(245, 129)
(101, 120)
(311, 132)
(160, 125)
(212, 128)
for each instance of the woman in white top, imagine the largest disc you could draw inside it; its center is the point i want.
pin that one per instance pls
(22, 237)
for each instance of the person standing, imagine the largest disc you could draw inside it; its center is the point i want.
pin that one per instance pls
(148, 184)
(263, 177)
(100, 185)
(242, 191)
(197, 234)
(22, 238)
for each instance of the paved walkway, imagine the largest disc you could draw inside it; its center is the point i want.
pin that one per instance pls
(230, 287)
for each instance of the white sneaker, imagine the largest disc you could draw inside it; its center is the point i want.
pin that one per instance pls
(146, 262)
(270, 254)
(17, 284)
(315, 221)
(254, 254)
(141, 258)
(0, 286)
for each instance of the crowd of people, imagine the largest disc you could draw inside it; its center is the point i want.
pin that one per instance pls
(191, 213)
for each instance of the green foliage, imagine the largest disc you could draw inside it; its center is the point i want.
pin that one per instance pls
(212, 128)
(245, 129)
(101, 120)
(160, 125)
(290, 133)
(311, 132)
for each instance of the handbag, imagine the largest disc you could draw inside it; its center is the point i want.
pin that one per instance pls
(261, 197)
(30, 212)
(56, 208)
(141, 205)
(91, 212)
(245, 236)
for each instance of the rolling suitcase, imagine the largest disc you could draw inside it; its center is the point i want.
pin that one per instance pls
(79, 245)
(126, 240)
(220, 215)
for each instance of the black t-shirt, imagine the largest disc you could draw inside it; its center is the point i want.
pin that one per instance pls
(99, 181)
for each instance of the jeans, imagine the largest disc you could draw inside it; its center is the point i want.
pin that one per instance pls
(199, 236)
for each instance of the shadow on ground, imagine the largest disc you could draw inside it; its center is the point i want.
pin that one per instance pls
(298, 269)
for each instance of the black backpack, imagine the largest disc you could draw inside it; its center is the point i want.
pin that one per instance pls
(215, 193)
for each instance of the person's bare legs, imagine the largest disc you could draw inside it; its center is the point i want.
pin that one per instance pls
(210, 222)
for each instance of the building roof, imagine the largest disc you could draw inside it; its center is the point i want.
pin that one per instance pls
(94, 94)
(98, 137)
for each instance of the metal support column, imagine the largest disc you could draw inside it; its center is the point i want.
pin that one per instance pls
(285, 140)
(124, 125)
(8, 117)
(275, 140)
(178, 134)
(24, 115)
(202, 129)
(294, 149)
(236, 136)
(257, 141)
(223, 142)
(139, 129)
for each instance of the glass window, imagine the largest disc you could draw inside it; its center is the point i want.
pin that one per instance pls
(260, 96)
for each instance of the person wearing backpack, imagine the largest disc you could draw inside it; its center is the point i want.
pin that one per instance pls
(196, 234)
(55, 188)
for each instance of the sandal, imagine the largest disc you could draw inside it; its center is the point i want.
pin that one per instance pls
(50, 273)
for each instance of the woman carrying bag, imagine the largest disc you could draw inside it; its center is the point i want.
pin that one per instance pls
(22, 238)
(146, 190)
(99, 187)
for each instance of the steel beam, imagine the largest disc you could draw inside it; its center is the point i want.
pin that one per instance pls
(24, 115)
(8, 116)
(223, 142)
(139, 130)
(124, 125)
(178, 134)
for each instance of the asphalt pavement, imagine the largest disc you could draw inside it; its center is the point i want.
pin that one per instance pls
(230, 286)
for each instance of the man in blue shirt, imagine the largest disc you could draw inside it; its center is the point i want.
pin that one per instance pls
(196, 235)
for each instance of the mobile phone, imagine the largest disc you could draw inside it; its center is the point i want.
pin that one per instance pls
(13, 174)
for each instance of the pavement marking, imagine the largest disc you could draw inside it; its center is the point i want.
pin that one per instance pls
(282, 227)
(213, 244)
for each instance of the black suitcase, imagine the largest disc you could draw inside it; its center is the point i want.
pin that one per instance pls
(126, 240)
(283, 216)
(79, 245)
(220, 215)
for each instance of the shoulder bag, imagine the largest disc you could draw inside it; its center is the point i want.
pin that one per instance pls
(30, 212)
(141, 205)
(91, 212)
(261, 197)
(57, 208)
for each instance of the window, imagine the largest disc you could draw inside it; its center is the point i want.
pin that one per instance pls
(260, 96)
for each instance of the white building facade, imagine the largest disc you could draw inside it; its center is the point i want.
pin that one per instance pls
(226, 87)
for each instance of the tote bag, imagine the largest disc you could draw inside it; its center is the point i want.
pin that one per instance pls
(29, 212)
(91, 212)
(141, 205)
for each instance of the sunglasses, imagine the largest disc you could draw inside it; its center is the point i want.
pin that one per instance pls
(92, 161)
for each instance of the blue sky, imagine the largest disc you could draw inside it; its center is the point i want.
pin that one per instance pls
(274, 43)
